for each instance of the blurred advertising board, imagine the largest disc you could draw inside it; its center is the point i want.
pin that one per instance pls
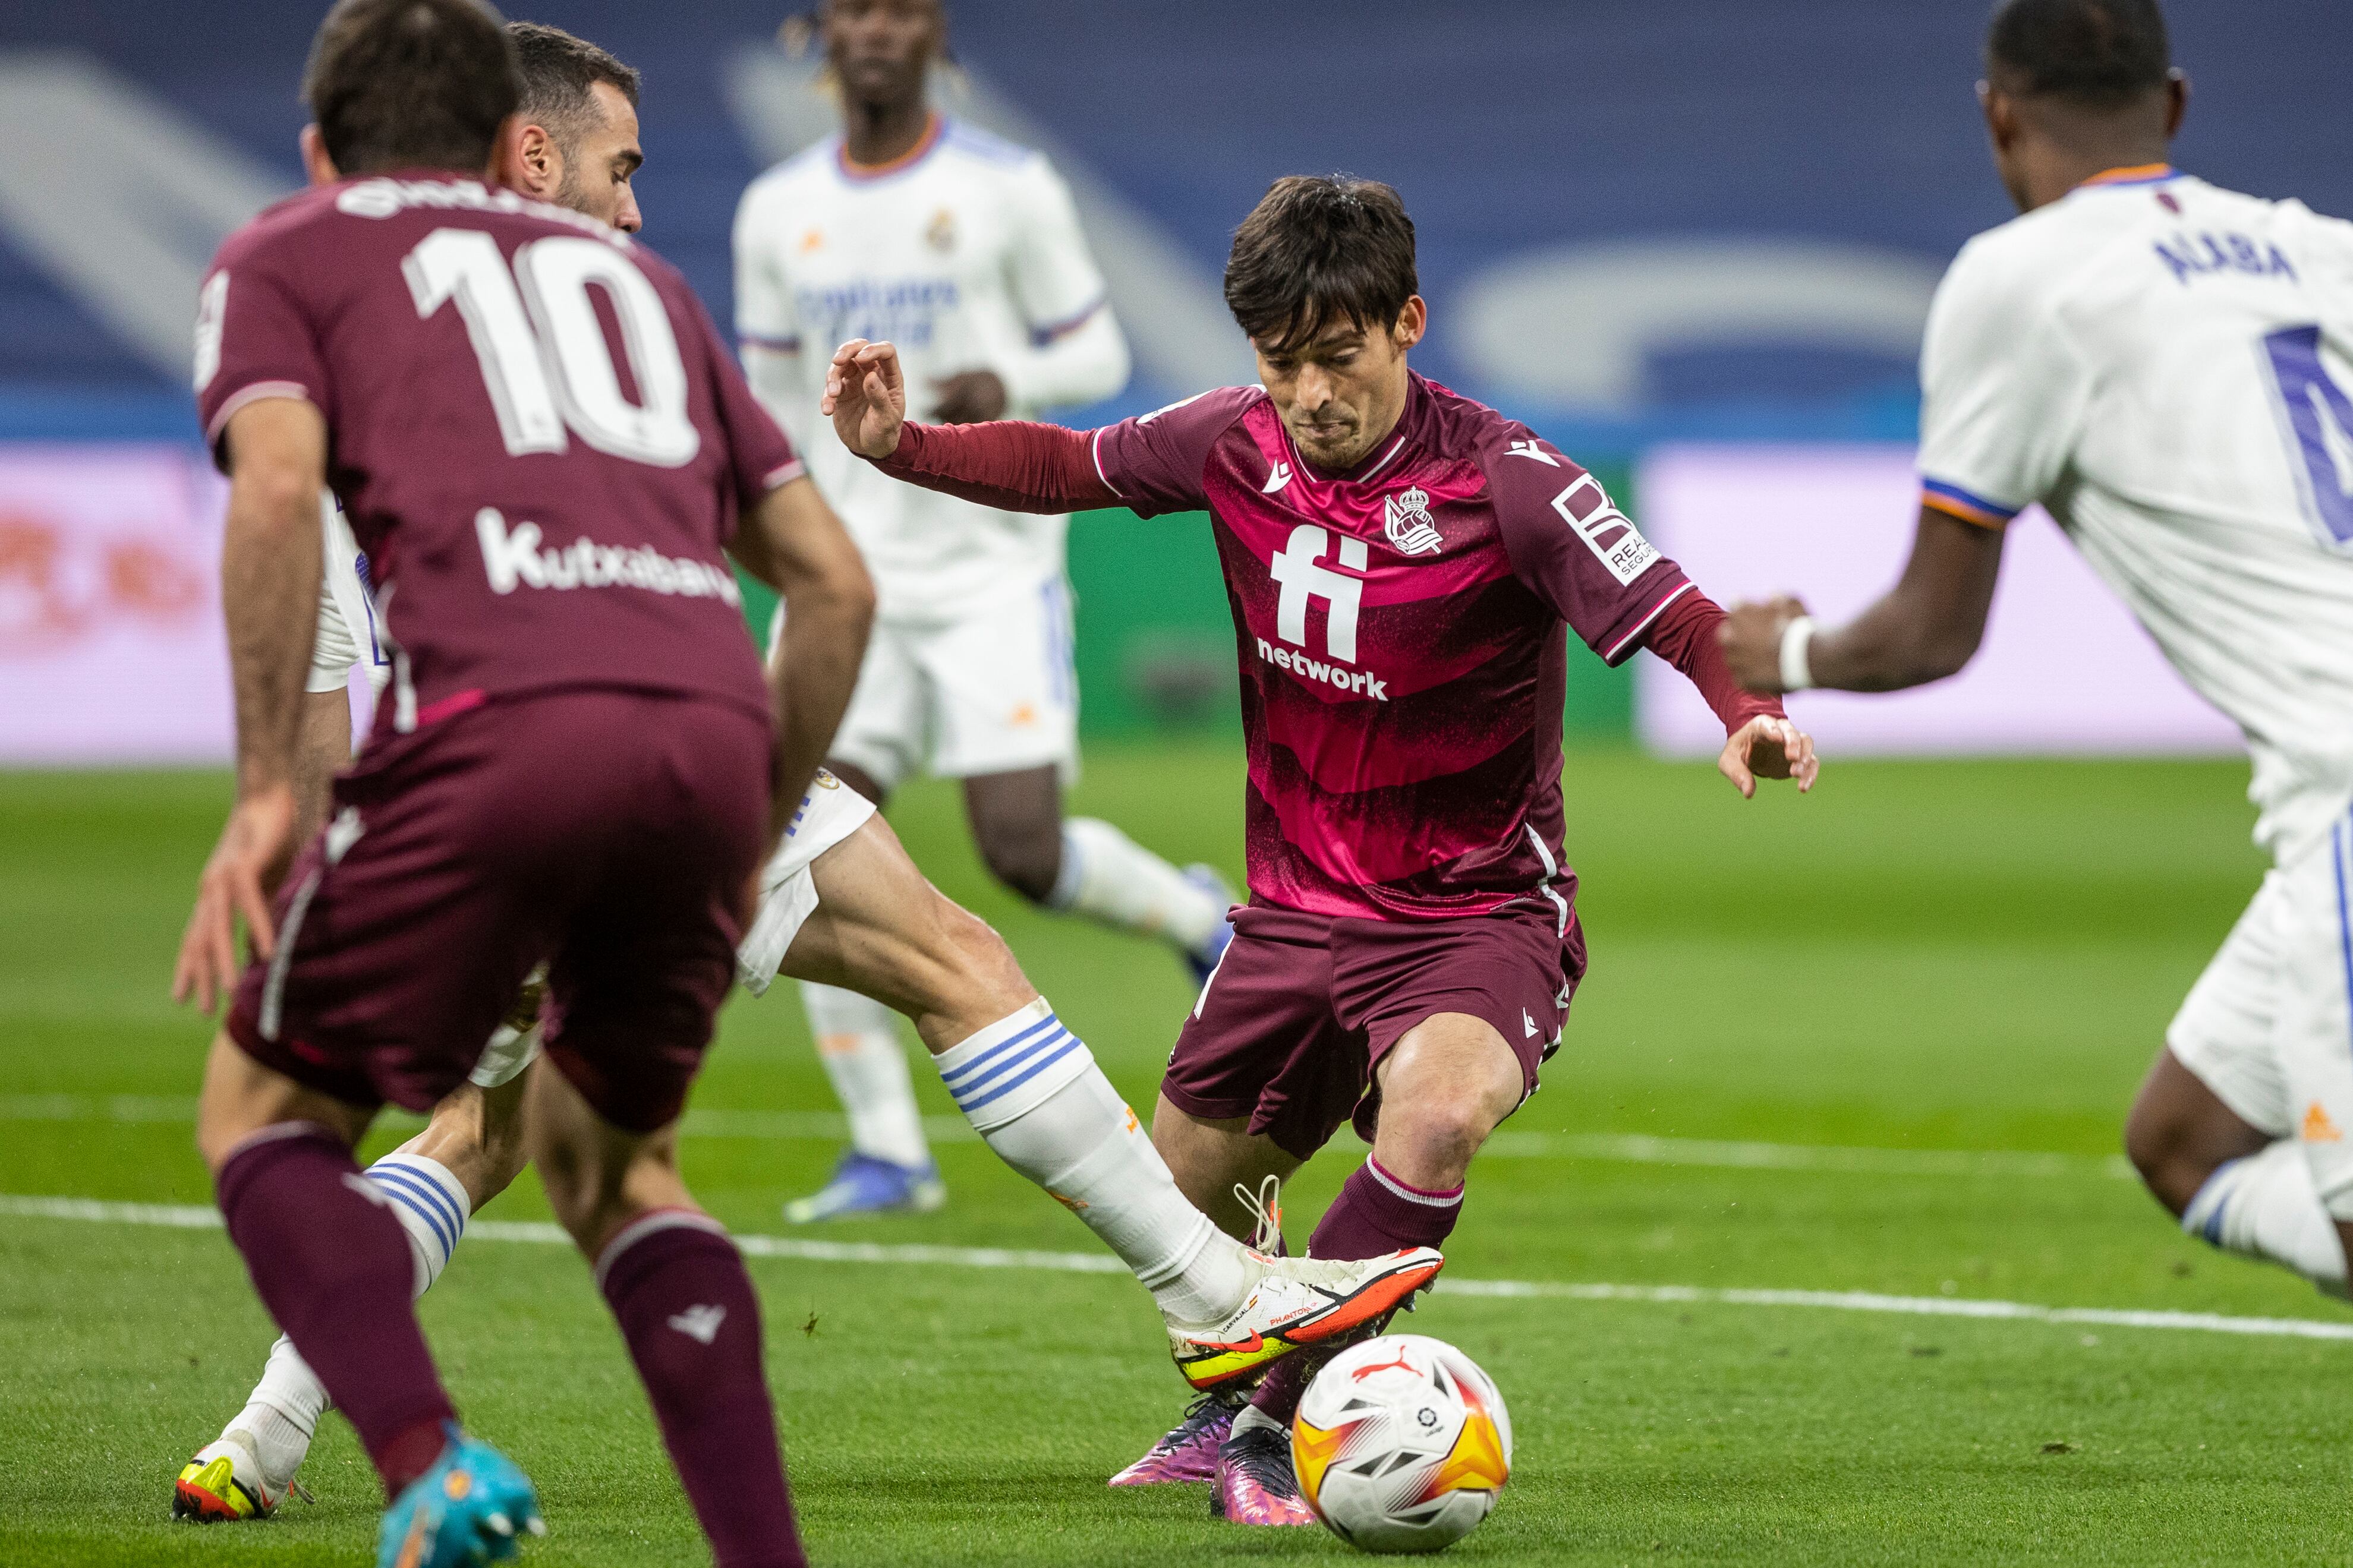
(2064, 670)
(111, 649)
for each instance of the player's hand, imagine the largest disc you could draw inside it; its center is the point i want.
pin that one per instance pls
(866, 397)
(1751, 639)
(976, 398)
(1769, 748)
(246, 863)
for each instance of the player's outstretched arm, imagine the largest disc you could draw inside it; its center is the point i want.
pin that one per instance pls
(1012, 465)
(270, 562)
(1925, 629)
(794, 544)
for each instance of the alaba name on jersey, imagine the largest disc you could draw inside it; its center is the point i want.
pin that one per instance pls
(966, 255)
(2168, 367)
(1400, 634)
(537, 435)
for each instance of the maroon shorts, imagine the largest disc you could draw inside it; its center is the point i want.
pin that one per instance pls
(609, 834)
(1288, 1031)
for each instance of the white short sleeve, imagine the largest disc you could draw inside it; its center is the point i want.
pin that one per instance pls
(2003, 388)
(764, 317)
(1055, 279)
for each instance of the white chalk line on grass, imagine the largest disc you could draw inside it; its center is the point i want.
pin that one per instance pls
(188, 1216)
(1616, 1148)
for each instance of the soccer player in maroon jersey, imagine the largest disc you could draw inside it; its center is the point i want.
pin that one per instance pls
(577, 761)
(847, 908)
(1401, 562)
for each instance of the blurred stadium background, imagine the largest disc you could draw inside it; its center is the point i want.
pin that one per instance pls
(1643, 227)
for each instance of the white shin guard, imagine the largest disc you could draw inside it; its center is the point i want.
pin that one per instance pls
(1033, 1092)
(2267, 1207)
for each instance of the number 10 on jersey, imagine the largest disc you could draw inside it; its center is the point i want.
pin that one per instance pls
(544, 359)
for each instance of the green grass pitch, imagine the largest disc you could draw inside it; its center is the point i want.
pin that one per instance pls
(1977, 957)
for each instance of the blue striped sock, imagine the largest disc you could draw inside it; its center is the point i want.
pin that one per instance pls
(431, 1206)
(1012, 1066)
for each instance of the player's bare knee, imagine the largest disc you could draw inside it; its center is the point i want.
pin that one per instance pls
(2163, 1151)
(1437, 1134)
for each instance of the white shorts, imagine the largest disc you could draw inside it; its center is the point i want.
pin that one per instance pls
(2269, 1025)
(991, 690)
(829, 812)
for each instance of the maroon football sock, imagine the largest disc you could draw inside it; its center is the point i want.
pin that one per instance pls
(685, 1304)
(333, 1266)
(1373, 1214)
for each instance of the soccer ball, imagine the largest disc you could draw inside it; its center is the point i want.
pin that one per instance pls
(1401, 1445)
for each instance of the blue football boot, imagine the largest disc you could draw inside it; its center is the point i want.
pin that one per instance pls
(473, 1507)
(864, 1184)
(1203, 960)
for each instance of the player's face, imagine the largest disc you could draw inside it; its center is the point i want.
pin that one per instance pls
(881, 48)
(1340, 395)
(597, 172)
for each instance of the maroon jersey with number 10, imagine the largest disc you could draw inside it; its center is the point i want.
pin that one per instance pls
(540, 440)
(1400, 630)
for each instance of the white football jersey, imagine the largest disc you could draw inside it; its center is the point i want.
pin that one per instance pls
(966, 254)
(2168, 367)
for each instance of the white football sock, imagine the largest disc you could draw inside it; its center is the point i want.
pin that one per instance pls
(1033, 1092)
(1111, 878)
(858, 1041)
(2266, 1205)
(282, 1414)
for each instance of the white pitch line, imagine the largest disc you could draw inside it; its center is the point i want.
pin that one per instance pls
(188, 1216)
(1611, 1148)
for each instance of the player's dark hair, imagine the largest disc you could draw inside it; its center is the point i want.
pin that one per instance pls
(558, 72)
(1320, 248)
(2100, 54)
(410, 84)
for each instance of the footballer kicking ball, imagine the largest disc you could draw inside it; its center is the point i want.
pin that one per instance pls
(1401, 1445)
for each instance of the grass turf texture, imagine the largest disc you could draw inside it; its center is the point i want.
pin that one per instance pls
(1974, 956)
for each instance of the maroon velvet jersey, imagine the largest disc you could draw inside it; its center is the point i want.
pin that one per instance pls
(1399, 628)
(537, 435)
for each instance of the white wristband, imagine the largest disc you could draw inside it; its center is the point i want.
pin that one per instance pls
(1796, 671)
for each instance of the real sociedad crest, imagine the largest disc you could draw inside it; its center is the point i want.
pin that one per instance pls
(1409, 525)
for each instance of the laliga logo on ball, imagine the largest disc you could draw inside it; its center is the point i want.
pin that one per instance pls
(1401, 1445)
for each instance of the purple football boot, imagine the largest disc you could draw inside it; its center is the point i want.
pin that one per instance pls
(1189, 1451)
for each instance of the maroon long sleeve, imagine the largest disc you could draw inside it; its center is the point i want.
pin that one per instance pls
(1009, 464)
(1684, 636)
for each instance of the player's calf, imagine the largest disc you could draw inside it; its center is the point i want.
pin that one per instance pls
(685, 1304)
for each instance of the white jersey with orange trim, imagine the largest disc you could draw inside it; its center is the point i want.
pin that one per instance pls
(2168, 368)
(967, 255)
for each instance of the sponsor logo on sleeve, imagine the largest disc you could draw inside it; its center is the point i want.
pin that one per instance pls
(1609, 533)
